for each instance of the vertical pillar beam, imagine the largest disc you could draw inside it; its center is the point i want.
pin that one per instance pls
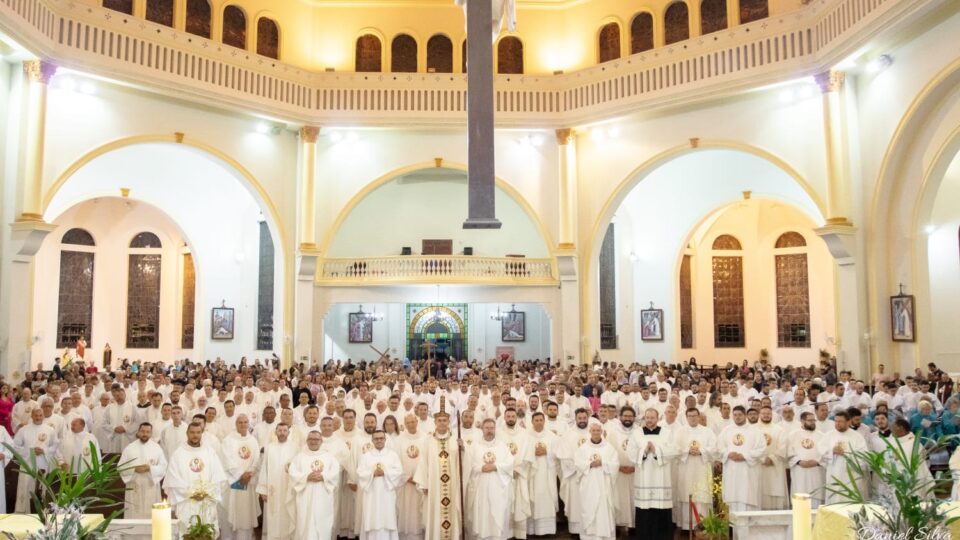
(140, 9)
(480, 165)
(567, 150)
(733, 13)
(37, 74)
(308, 186)
(835, 137)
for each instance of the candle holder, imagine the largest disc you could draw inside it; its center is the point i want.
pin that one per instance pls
(161, 522)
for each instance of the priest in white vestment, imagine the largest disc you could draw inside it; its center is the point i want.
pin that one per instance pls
(542, 462)
(194, 481)
(803, 455)
(73, 452)
(145, 468)
(516, 440)
(315, 478)
(380, 476)
(273, 485)
(740, 447)
(241, 461)
(438, 476)
(573, 439)
(597, 465)
(38, 441)
(652, 450)
(697, 446)
(773, 475)
(409, 498)
(335, 445)
(175, 434)
(6, 456)
(618, 435)
(834, 446)
(492, 465)
(121, 423)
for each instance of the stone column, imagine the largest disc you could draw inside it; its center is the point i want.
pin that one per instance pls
(308, 186)
(838, 157)
(37, 74)
(567, 188)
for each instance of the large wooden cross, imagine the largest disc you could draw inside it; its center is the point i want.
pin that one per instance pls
(480, 162)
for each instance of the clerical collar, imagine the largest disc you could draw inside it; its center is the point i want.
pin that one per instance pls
(884, 432)
(648, 431)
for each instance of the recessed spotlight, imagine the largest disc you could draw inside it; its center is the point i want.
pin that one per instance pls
(880, 63)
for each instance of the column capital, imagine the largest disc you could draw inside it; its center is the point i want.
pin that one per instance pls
(39, 71)
(309, 134)
(830, 81)
(565, 136)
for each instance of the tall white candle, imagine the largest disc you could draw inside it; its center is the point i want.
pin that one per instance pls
(161, 526)
(802, 517)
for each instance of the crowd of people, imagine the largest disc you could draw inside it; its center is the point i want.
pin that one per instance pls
(427, 449)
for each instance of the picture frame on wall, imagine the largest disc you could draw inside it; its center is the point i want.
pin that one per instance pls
(651, 324)
(513, 326)
(359, 327)
(903, 322)
(221, 323)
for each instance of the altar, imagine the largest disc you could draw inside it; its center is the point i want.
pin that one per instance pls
(23, 525)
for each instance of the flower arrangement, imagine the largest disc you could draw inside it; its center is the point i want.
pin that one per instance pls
(66, 496)
(907, 494)
(197, 528)
(716, 524)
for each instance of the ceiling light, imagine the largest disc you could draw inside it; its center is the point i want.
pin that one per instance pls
(263, 128)
(536, 140)
(67, 83)
(598, 134)
(880, 63)
(613, 132)
(787, 95)
(336, 136)
(87, 87)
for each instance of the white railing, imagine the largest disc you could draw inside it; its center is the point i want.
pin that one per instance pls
(436, 269)
(104, 42)
(763, 525)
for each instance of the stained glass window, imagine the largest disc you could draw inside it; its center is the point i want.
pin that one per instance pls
(728, 319)
(641, 33)
(75, 299)
(268, 38)
(160, 12)
(123, 6)
(198, 18)
(403, 54)
(608, 290)
(793, 293)
(676, 22)
(188, 310)
(510, 56)
(713, 16)
(234, 27)
(368, 53)
(686, 304)
(440, 54)
(265, 291)
(753, 10)
(609, 42)
(143, 301)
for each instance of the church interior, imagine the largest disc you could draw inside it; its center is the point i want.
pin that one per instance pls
(289, 181)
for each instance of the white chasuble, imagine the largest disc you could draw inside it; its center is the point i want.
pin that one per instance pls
(409, 498)
(438, 476)
(742, 489)
(492, 517)
(543, 482)
(273, 481)
(143, 489)
(241, 454)
(802, 445)
(379, 494)
(596, 485)
(315, 504)
(193, 484)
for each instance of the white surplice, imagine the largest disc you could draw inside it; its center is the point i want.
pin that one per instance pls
(74, 451)
(118, 415)
(274, 482)
(379, 494)
(195, 471)
(836, 464)
(596, 485)
(694, 473)
(492, 514)
(572, 440)
(409, 498)
(741, 488)
(543, 482)
(241, 454)
(314, 501)
(143, 489)
(517, 441)
(619, 437)
(773, 478)
(803, 445)
(27, 439)
(652, 481)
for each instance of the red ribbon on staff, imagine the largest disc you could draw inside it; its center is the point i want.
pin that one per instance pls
(696, 514)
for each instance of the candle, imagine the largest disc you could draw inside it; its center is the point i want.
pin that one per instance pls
(802, 517)
(162, 526)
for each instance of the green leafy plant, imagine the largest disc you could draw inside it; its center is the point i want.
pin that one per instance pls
(198, 530)
(907, 494)
(715, 526)
(60, 496)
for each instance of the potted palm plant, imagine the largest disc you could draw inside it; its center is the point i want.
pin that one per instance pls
(61, 498)
(716, 524)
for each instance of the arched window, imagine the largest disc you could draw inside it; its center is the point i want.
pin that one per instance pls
(510, 56)
(145, 240)
(160, 12)
(265, 291)
(726, 242)
(608, 44)
(686, 304)
(641, 33)
(78, 237)
(793, 292)
(403, 54)
(368, 53)
(463, 57)
(713, 16)
(75, 298)
(676, 23)
(728, 316)
(268, 38)
(608, 290)
(234, 27)
(198, 18)
(143, 292)
(753, 10)
(439, 54)
(123, 6)
(189, 305)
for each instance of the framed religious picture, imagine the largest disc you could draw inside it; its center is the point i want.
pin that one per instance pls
(513, 326)
(221, 324)
(903, 325)
(651, 324)
(360, 327)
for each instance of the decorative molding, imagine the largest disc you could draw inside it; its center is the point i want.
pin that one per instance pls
(830, 81)
(178, 136)
(309, 134)
(124, 192)
(39, 71)
(747, 194)
(694, 142)
(436, 269)
(438, 162)
(565, 136)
